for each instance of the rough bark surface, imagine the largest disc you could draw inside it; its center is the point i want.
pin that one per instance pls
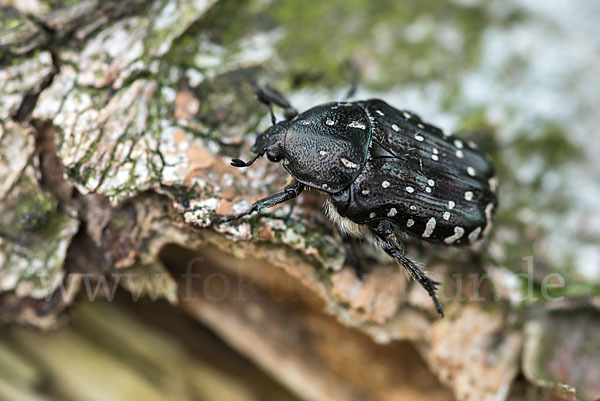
(117, 123)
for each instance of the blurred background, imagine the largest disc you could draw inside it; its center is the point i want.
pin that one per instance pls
(117, 121)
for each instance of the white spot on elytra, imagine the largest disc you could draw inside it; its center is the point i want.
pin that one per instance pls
(430, 182)
(323, 153)
(435, 157)
(410, 190)
(365, 192)
(428, 190)
(460, 154)
(325, 186)
(385, 184)
(356, 124)
(410, 223)
(458, 143)
(451, 205)
(304, 122)
(419, 138)
(379, 112)
(372, 215)
(468, 195)
(406, 115)
(435, 151)
(458, 233)
(429, 227)
(329, 122)
(445, 132)
(392, 212)
(474, 234)
(471, 171)
(348, 163)
(420, 126)
(413, 207)
(446, 215)
(395, 128)
(472, 145)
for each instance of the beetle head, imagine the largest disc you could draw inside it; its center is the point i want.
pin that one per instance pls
(271, 142)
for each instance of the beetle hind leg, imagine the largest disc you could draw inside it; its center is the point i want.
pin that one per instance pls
(386, 234)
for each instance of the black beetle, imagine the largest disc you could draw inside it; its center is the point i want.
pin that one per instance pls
(385, 171)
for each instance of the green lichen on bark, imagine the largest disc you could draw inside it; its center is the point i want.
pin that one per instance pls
(19, 35)
(35, 233)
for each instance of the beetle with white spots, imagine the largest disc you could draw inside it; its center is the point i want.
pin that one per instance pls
(385, 171)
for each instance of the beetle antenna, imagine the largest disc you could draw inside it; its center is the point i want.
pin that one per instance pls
(240, 163)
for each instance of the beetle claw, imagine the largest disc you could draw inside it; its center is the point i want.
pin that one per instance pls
(431, 287)
(227, 219)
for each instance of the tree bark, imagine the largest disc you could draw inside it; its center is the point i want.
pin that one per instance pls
(117, 124)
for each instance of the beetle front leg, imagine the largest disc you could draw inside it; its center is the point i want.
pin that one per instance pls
(290, 192)
(386, 234)
(270, 96)
(353, 80)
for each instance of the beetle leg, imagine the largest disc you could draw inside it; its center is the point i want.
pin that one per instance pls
(386, 234)
(353, 258)
(290, 192)
(288, 216)
(270, 96)
(354, 80)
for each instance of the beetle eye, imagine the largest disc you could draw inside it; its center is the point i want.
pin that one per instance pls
(273, 155)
